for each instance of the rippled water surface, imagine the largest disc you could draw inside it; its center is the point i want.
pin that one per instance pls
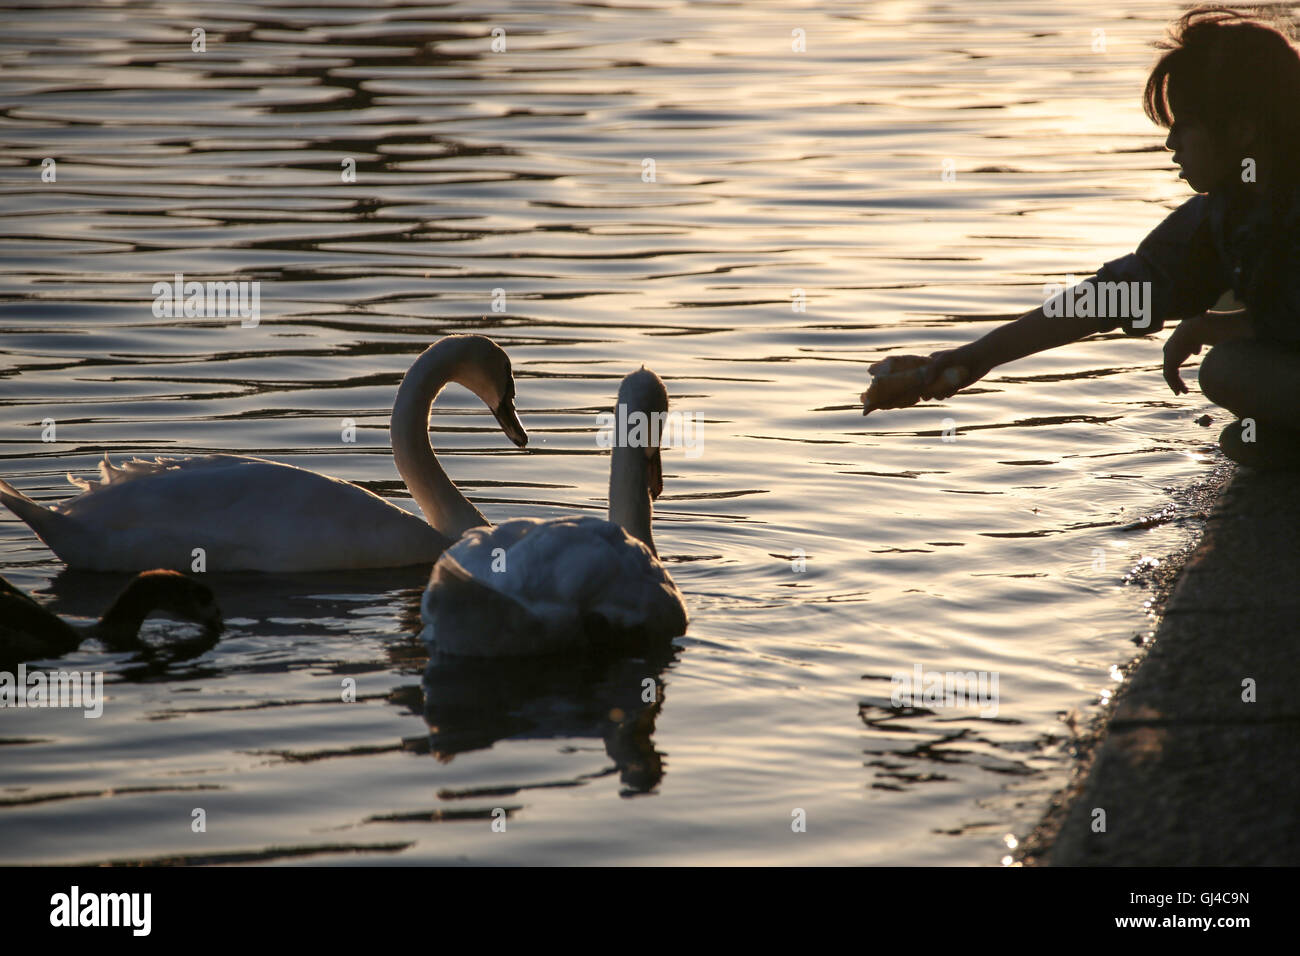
(988, 533)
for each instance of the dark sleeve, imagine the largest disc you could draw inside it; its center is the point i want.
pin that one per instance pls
(1180, 263)
(1274, 306)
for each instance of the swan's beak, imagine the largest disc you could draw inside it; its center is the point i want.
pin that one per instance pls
(508, 419)
(654, 473)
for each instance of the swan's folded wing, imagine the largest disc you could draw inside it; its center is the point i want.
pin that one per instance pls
(245, 513)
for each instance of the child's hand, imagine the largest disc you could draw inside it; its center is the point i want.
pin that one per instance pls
(1185, 341)
(902, 380)
(896, 382)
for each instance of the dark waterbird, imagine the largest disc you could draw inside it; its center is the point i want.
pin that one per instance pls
(30, 631)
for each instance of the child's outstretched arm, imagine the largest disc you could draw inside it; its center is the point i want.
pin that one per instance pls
(1037, 332)
(1032, 332)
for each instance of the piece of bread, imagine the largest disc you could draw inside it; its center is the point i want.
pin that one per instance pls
(898, 381)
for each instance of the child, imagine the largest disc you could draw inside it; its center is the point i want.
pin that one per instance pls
(1228, 90)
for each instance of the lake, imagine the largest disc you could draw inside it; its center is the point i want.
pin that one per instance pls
(757, 201)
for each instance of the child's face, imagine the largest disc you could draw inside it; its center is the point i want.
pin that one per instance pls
(1208, 158)
(1199, 155)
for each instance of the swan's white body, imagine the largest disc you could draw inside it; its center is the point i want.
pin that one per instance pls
(246, 514)
(530, 587)
(251, 514)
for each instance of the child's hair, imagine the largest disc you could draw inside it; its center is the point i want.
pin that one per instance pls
(1223, 64)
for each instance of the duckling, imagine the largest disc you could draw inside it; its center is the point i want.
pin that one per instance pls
(29, 631)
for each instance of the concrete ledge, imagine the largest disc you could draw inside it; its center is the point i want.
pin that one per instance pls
(1188, 774)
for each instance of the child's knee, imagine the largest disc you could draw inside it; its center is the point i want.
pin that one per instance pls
(1261, 444)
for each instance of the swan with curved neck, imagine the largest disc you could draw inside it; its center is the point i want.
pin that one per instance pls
(565, 585)
(236, 513)
(483, 367)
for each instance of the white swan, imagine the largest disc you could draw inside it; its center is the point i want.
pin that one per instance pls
(251, 514)
(530, 586)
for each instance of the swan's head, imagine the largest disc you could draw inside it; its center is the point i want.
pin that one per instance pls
(483, 367)
(176, 594)
(643, 391)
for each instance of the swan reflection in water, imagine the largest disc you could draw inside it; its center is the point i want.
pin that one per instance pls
(471, 703)
(468, 704)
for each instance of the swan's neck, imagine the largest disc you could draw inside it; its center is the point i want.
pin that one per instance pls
(120, 625)
(629, 497)
(443, 505)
